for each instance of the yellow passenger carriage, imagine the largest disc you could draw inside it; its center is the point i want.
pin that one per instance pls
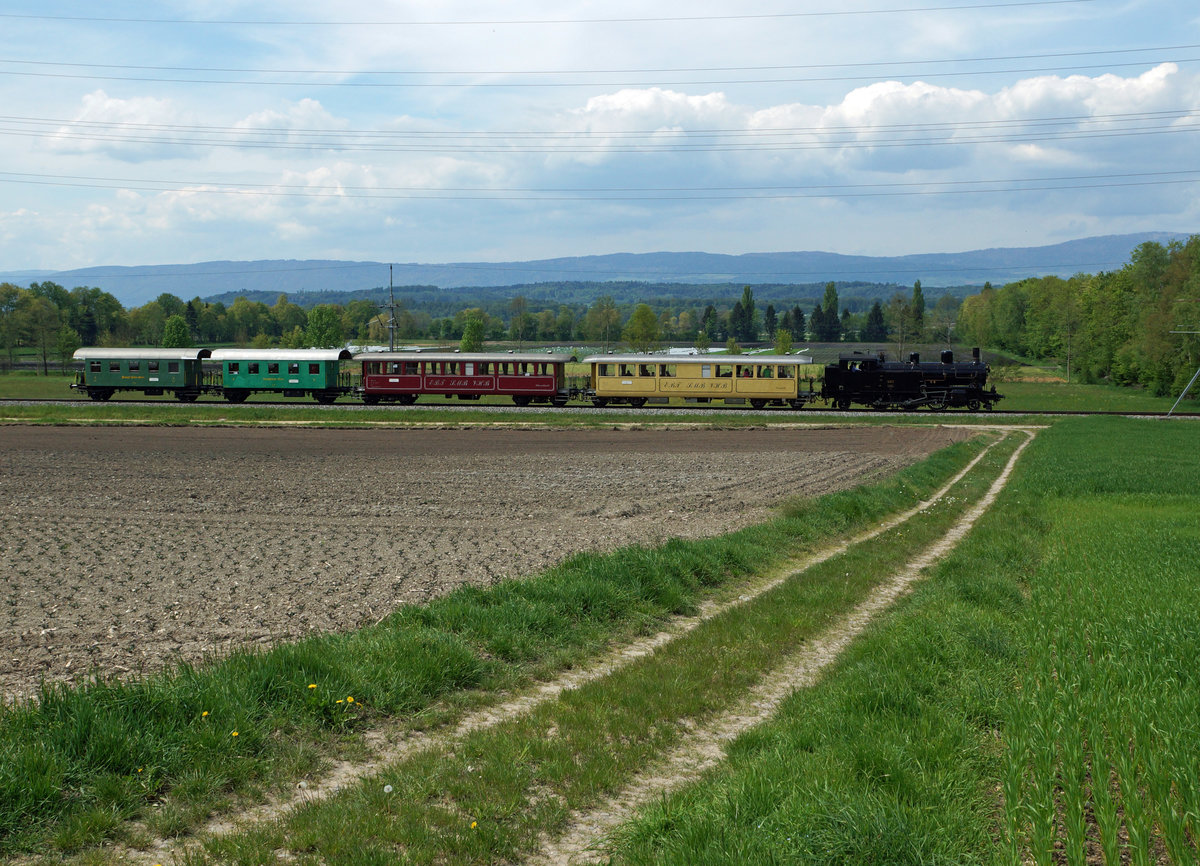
(760, 380)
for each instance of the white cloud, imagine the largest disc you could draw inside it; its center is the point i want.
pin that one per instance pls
(106, 125)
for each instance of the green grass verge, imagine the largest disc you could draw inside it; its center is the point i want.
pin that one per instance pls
(1052, 397)
(490, 797)
(81, 761)
(971, 725)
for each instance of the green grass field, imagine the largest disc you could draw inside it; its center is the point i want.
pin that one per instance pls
(1034, 701)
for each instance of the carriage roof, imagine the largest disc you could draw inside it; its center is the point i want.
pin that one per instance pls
(698, 359)
(281, 354)
(520, 357)
(88, 353)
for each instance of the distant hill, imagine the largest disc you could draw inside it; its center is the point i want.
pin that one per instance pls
(136, 285)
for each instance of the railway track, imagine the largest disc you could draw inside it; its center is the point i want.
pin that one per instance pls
(582, 408)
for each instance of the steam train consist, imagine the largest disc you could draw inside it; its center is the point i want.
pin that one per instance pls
(529, 378)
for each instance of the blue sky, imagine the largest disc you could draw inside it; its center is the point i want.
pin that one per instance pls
(138, 133)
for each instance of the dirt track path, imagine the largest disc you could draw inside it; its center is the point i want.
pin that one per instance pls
(705, 748)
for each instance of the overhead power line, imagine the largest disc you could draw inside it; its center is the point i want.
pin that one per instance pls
(543, 21)
(727, 193)
(622, 71)
(707, 82)
(941, 134)
(48, 123)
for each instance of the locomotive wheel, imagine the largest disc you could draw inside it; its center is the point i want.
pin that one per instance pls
(520, 400)
(842, 404)
(599, 402)
(406, 399)
(100, 394)
(758, 404)
(938, 406)
(973, 405)
(637, 402)
(237, 395)
(370, 399)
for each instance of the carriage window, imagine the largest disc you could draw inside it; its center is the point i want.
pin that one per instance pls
(135, 366)
(152, 366)
(605, 370)
(94, 366)
(626, 369)
(294, 368)
(114, 366)
(724, 371)
(483, 368)
(172, 366)
(273, 367)
(234, 366)
(766, 372)
(252, 368)
(314, 369)
(745, 371)
(706, 371)
(645, 369)
(667, 370)
(787, 371)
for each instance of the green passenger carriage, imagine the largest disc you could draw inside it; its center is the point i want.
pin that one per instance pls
(154, 372)
(290, 372)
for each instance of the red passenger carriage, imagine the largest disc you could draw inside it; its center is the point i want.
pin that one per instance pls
(402, 377)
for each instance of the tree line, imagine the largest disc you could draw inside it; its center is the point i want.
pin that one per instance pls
(55, 322)
(1133, 326)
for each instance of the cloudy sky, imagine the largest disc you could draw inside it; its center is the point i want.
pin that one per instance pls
(153, 133)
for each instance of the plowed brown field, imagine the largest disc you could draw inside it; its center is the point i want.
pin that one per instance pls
(126, 548)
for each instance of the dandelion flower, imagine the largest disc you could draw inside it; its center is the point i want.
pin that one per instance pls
(234, 734)
(312, 685)
(339, 701)
(473, 825)
(204, 714)
(387, 789)
(350, 699)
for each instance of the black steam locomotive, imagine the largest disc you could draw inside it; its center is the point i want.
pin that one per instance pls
(881, 384)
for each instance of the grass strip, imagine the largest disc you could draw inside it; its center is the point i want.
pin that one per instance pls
(350, 416)
(972, 724)
(491, 796)
(80, 762)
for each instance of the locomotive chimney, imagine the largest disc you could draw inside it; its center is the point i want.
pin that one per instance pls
(914, 358)
(947, 356)
(975, 354)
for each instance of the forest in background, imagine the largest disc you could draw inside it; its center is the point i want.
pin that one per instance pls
(1133, 326)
